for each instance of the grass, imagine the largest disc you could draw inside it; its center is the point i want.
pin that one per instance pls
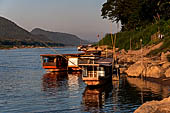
(123, 38)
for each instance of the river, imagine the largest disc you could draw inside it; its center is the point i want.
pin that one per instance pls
(26, 88)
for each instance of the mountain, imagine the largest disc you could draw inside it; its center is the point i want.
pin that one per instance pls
(13, 35)
(10, 31)
(58, 37)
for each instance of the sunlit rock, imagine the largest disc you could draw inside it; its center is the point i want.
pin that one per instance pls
(164, 56)
(136, 69)
(155, 107)
(167, 73)
(153, 71)
(166, 65)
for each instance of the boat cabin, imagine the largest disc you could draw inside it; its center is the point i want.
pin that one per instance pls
(73, 61)
(97, 72)
(54, 62)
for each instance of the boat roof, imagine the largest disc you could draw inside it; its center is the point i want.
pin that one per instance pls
(105, 60)
(99, 62)
(55, 55)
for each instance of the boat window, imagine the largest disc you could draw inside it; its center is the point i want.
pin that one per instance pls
(101, 68)
(51, 59)
(46, 60)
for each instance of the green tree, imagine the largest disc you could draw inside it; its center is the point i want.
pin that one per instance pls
(135, 13)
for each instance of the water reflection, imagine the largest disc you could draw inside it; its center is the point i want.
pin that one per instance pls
(53, 80)
(146, 86)
(94, 98)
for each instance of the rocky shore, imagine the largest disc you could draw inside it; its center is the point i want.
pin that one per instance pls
(155, 69)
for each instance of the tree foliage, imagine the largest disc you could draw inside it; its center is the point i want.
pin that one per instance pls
(135, 13)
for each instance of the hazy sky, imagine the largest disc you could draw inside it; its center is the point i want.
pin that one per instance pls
(79, 17)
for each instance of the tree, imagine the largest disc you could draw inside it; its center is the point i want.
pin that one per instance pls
(135, 13)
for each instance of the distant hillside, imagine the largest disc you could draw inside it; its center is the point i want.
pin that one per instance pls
(57, 37)
(12, 35)
(10, 31)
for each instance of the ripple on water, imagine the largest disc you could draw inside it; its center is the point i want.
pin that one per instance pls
(26, 88)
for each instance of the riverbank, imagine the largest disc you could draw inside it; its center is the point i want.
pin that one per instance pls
(22, 47)
(155, 69)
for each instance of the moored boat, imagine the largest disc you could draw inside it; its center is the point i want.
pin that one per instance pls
(61, 62)
(96, 71)
(54, 62)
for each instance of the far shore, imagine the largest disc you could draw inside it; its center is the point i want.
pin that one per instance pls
(10, 48)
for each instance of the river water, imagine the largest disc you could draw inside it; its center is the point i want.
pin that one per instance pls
(26, 88)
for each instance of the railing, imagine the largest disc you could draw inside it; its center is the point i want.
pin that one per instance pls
(92, 74)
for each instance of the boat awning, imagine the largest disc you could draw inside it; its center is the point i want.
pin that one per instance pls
(50, 55)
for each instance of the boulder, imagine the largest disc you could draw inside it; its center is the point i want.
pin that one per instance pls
(136, 69)
(155, 107)
(122, 51)
(166, 65)
(164, 56)
(122, 70)
(167, 72)
(153, 71)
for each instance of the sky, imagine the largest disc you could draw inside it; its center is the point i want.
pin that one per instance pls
(78, 17)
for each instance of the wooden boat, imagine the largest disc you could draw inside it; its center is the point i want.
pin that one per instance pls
(96, 71)
(64, 62)
(54, 62)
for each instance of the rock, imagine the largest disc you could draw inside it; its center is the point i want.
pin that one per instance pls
(153, 71)
(122, 70)
(122, 51)
(167, 73)
(136, 69)
(166, 65)
(164, 56)
(155, 107)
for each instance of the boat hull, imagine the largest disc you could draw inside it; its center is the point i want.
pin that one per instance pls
(56, 70)
(97, 81)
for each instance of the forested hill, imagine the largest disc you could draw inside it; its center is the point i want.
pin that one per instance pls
(58, 37)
